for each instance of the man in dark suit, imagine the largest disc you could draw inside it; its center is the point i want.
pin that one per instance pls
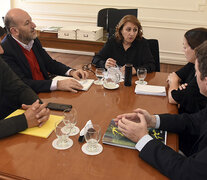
(13, 90)
(167, 161)
(25, 55)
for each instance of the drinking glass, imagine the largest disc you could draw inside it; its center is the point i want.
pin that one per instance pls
(63, 140)
(111, 80)
(115, 72)
(92, 136)
(121, 72)
(141, 74)
(99, 74)
(70, 120)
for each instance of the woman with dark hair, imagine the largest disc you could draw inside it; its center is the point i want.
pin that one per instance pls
(183, 88)
(126, 46)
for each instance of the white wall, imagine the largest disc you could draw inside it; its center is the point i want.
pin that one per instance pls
(166, 20)
(5, 6)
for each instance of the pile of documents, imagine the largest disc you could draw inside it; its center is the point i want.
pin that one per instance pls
(50, 29)
(150, 90)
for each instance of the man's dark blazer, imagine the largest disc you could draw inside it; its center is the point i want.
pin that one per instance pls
(15, 93)
(16, 59)
(171, 163)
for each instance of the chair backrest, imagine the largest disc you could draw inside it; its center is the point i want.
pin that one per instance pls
(2, 32)
(154, 47)
(102, 18)
(108, 18)
(116, 15)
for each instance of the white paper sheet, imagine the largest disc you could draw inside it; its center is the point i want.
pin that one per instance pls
(150, 90)
(85, 83)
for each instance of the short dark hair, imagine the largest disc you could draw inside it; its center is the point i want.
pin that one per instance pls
(8, 22)
(123, 21)
(201, 56)
(196, 36)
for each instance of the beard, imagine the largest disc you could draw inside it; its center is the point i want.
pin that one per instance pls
(27, 37)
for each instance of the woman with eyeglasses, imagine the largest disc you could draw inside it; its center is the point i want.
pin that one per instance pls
(126, 46)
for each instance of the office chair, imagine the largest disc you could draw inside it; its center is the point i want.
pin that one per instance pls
(108, 18)
(2, 30)
(102, 18)
(154, 47)
(2, 33)
(116, 15)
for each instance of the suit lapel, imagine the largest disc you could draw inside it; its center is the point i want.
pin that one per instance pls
(20, 57)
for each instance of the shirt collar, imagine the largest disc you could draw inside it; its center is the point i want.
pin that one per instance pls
(28, 46)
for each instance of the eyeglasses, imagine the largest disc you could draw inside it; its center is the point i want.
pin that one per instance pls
(88, 67)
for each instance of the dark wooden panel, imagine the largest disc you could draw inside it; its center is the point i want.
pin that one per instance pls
(51, 40)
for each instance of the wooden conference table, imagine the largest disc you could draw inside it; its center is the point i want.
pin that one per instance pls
(29, 157)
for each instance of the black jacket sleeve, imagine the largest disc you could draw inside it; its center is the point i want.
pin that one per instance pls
(12, 88)
(16, 59)
(99, 59)
(26, 75)
(186, 73)
(172, 164)
(190, 99)
(46, 62)
(179, 123)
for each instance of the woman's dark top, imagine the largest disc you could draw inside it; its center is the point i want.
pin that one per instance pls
(186, 73)
(138, 54)
(190, 99)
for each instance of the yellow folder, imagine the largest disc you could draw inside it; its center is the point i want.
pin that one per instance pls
(43, 131)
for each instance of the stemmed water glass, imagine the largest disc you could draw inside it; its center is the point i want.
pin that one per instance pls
(63, 141)
(141, 74)
(92, 135)
(99, 74)
(70, 120)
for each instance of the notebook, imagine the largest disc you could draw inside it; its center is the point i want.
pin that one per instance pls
(86, 83)
(43, 131)
(150, 90)
(114, 137)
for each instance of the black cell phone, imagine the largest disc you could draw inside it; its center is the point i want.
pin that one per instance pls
(58, 107)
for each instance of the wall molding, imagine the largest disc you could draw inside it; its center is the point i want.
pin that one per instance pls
(179, 53)
(66, 20)
(92, 18)
(172, 57)
(172, 21)
(201, 5)
(158, 18)
(69, 51)
(170, 60)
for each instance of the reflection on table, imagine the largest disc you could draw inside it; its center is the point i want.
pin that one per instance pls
(29, 157)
